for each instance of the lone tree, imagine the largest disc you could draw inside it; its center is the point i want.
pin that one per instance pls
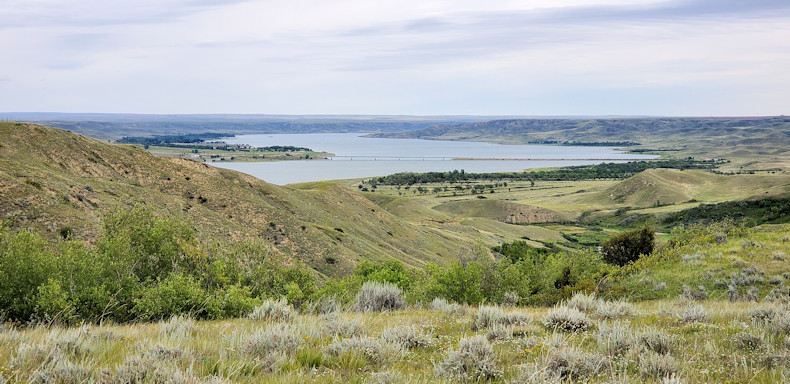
(626, 247)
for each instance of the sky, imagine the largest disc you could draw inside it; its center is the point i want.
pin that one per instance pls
(397, 57)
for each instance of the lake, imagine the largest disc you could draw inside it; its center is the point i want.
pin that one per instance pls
(357, 156)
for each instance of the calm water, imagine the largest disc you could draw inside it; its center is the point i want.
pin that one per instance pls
(366, 157)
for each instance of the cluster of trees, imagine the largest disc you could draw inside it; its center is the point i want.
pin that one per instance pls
(164, 140)
(192, 141)
(586, 143)
(143, 267)
(146, 267)
(283, 148)
(574, 173)
(773, 210)
(537, 277)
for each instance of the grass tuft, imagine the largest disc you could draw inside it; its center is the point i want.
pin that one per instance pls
(572, 364)
(473, 360)
(452, 309)
(583, 302)
(656, 340)
(178, 327)
(378, 297)
(694, 314)
(657, 366)
(407, 337)
(567, 319)
(277, 310)
(280, 337)
(372, 349)
(615, 339)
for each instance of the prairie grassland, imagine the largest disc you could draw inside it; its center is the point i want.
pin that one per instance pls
(583, 340)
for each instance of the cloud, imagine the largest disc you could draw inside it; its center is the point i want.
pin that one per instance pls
(99, 13)
(406, 55)
(452, 36)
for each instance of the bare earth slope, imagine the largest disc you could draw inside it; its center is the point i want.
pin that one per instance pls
(51, 179)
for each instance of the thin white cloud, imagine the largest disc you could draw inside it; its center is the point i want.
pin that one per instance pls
(433, 56)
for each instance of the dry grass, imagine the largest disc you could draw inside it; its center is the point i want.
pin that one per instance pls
(737, 341)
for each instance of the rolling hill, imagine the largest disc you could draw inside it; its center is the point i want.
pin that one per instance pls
(670, 186)
(54, 179)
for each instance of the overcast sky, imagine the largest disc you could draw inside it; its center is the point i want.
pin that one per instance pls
(421, 57)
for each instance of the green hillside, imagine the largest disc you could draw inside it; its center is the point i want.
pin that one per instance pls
(656, 187)
(55, 180)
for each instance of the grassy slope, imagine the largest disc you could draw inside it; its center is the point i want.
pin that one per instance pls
(668, 186)
(53, 178)
(487, 220)
(705, 263)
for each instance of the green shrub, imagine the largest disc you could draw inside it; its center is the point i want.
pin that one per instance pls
(52, 302)
(145, 245)
(143, 267)
(176, 294)
(626, 247)
(391, 271)
(459, 283)
(26, 262)
(237, 301)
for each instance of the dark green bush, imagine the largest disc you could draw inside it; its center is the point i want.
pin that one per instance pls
(626, 247)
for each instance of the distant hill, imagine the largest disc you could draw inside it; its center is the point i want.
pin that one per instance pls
(108, 126)
(670, 186)
(752, 143)
(53, 179)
